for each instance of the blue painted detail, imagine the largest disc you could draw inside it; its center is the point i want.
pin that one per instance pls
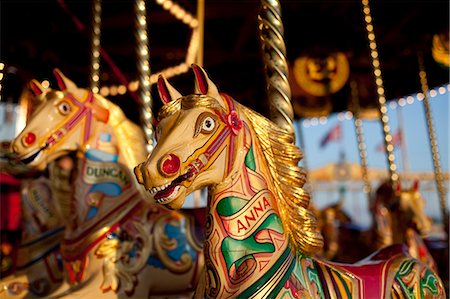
(109, 189)
(101, 156)
(174, 232)
(91, 213)
(111, 236)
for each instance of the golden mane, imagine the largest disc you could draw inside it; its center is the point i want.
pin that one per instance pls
(282, 158)
(127, 134)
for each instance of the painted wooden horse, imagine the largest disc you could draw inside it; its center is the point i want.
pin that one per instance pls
(115, 243)
(38, 268)
(260, 233)
(330, 220)
(398, 217)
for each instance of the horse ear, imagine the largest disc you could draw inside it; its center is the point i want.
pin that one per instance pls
(416, 185)
(203, 84)
(166, 91)
(36, 87)
(63, 82)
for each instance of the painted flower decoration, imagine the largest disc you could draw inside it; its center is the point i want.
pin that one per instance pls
(234, 122)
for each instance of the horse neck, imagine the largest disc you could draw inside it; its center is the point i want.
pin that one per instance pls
(382, 225)
(42, 222)
(246, 239)
(105, 187)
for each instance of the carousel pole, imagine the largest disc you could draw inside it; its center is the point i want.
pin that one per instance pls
(274, 56)
(393, 176)
(95, 45)
(143, 65)
(433, 143)
(360, 137)
(201, 30)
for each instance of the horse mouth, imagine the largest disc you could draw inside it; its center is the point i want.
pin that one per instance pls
(32, 157)
(167, 193)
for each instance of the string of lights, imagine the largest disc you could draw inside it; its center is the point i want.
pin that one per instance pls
(394, 104)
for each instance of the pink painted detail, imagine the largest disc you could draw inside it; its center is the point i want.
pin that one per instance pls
(200, 80)
(59, 79)
(29, 138)
(170, 164)
(234, 122)
(36, 88)
(163, 92)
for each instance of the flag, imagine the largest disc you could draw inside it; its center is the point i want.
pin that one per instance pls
(334, 134)
(397, 140)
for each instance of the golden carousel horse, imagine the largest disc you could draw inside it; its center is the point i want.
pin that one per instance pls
(115, 244)
(260, 233)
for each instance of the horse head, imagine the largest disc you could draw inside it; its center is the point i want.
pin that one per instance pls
(191, 138)
(410, 209)
(60, 122)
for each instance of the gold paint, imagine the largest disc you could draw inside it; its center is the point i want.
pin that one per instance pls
(274, 57)
(282, 158)
(321, 77)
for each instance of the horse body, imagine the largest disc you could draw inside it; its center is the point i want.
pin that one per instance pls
(38, 269)
(398, 218)
(260, 233)
(115, 244)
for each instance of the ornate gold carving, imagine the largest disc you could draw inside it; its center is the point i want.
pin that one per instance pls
(321, 76)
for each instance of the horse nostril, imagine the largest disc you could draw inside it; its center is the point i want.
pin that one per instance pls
(169, 165)
(29, 139)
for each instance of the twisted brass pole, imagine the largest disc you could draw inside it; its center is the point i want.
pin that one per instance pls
(433, 142)
(274, 56)
(143, 65)
(95, 45)
(393, 176)
(360, 137)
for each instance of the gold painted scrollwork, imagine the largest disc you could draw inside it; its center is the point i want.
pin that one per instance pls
(163, 244)
(321, 76)
(119, 269)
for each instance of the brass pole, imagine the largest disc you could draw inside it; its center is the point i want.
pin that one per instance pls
(201, 30)
(95, 45)
(143, 65)
(433, 143)
(274, 57)
(360, 137)
(393, 176)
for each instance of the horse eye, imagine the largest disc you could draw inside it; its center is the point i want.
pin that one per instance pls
(64, 108)
(208, 124)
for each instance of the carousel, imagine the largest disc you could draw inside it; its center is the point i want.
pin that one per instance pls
(184, 149)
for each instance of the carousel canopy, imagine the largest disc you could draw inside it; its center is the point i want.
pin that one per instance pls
(326, 45)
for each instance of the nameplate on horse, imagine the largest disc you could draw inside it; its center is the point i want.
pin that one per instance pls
(247, 220)
(105, 172)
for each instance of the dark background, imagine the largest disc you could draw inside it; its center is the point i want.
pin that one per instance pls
(37, 36)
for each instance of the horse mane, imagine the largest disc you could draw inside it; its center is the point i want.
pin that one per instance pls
(282, 157)
(127, 134)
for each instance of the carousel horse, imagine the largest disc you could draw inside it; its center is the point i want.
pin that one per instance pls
(399, 217)
(116, 244)
(330, 220)
(260, 233)
(37, 270)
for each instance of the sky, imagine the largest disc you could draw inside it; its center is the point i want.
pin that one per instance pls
(418, 151)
